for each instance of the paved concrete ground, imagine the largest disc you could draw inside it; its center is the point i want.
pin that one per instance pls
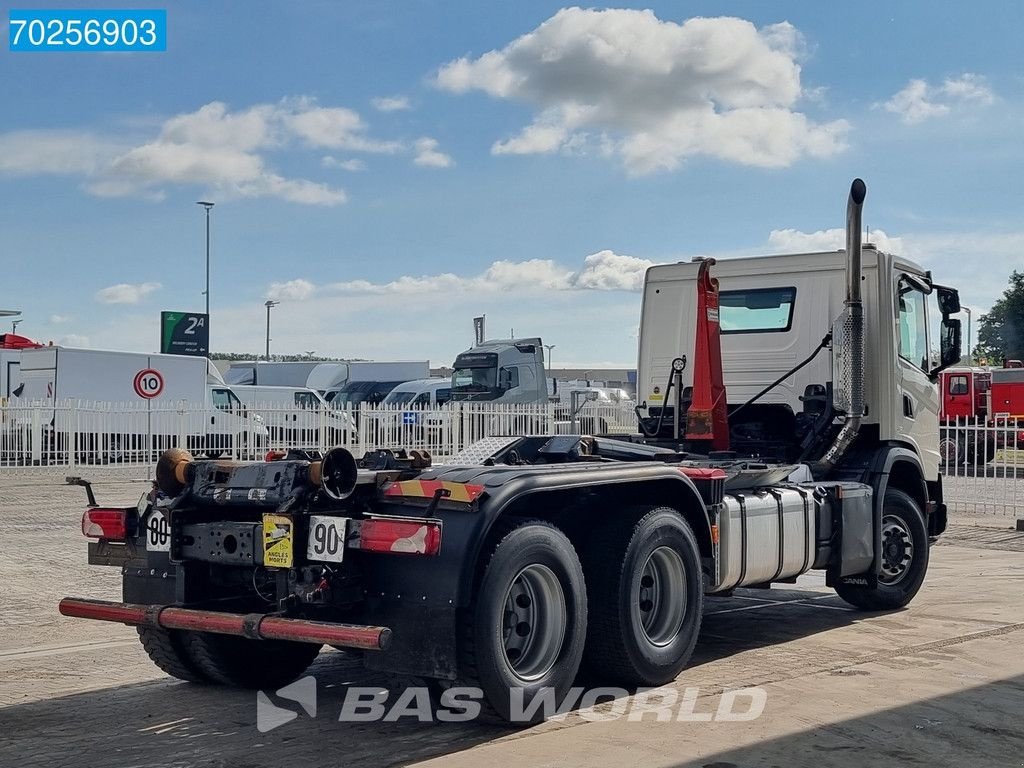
(941, 683)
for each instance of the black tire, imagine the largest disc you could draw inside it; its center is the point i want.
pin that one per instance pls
(645, 592)
(534, 570)
(244, 663)
(167, 649)
(904, 557)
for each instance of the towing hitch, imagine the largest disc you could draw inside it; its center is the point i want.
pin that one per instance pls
(255, 626)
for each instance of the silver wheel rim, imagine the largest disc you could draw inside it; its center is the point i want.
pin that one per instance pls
(949, 450)
(534, 622)
(897, 550)
(659, 601)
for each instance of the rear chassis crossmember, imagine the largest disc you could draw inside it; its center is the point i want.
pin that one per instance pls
(255, 626)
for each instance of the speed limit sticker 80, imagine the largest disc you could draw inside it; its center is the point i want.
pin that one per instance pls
(326, 541)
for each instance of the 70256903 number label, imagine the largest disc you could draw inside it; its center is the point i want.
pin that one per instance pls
(87, 30)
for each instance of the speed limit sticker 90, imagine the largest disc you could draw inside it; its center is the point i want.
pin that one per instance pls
(326, 540)
(148, 383)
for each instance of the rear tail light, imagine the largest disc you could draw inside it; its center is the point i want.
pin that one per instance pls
(414, 537)
(100, 523)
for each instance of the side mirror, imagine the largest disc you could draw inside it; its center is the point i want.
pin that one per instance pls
(949, 345)
(949, 300)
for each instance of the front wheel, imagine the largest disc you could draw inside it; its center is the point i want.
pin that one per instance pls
(526, 628)
(645, 590)
(904, 557)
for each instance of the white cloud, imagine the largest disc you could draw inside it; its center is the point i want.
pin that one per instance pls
(609, 271)
(795, 241)
(919, 101)
(658, 92)
(293, 290)
(125, 293)
(601, 271)
(429, 156)
(352, 164)
(72, 153)
(219, 149)
(391, 103)
(58, 319)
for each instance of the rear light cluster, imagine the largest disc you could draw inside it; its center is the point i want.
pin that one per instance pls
(414, 537)
(105, 523)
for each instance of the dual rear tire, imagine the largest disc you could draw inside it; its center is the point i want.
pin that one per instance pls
(630, 610)
(208, 658)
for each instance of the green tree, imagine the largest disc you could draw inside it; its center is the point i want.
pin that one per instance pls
(1001, 331)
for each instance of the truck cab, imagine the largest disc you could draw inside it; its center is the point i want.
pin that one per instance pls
(502, 371)
(964, 395)
(774, 312)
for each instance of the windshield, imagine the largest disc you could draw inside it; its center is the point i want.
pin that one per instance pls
(474, 379)
(352, 394)
(399, 398)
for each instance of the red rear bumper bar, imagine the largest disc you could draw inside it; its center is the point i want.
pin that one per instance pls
(252, 625)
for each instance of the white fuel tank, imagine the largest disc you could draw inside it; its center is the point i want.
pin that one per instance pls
(764, 536)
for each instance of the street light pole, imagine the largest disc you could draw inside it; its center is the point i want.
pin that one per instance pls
(268, 305)
(207, 205)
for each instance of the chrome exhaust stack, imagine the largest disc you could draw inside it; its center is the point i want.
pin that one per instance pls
(848, 338)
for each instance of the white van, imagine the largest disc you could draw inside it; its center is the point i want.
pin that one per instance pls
(420, 393)
(296, 416)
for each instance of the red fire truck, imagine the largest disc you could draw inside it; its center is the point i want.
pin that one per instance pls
(981, 410)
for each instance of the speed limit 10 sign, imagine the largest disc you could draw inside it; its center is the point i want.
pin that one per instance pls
(149, 383)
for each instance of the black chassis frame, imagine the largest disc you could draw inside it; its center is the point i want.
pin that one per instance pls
(424, 599)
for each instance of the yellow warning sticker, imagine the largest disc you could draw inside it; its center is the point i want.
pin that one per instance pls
(278, 541)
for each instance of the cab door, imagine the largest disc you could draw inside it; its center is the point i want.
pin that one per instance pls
(917, 406)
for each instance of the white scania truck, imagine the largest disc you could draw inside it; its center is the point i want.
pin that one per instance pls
(788, 421)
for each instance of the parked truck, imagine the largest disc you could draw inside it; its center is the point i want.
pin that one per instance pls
(789, 421)
(11, 345)
(133, 401)
(512, 372)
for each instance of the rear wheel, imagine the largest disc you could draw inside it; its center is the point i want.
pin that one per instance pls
(645, 591)
(167, 649)
(524, 634)
(952, 448)
(904, 557)
(246, 663)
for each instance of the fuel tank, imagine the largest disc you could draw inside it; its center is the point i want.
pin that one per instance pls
(766, 535)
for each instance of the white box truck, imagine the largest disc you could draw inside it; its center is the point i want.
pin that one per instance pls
(110, 404)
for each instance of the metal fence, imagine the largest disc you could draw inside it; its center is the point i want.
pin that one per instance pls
(983, 465)
(61, 436)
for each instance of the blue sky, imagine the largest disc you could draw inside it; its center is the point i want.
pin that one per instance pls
(388, 170)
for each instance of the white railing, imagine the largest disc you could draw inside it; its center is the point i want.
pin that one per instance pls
(983, 466)
(70, 435)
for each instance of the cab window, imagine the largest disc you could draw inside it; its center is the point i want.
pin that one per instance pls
(222, 399)
(508, 378)
(305, 400)
(958, 385)
(443, 396)
(913, 325)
